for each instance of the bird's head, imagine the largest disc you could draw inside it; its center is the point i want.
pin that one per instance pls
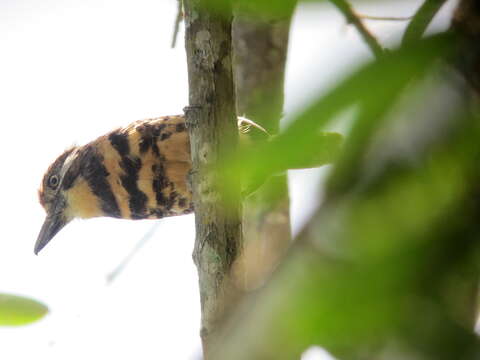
(54, 196)
(135, 172)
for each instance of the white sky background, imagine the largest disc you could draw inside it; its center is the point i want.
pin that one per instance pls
(73, 70)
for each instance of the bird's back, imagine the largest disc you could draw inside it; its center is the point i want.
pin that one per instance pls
(148, 162)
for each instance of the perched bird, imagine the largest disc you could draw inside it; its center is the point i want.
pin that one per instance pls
(136, 172)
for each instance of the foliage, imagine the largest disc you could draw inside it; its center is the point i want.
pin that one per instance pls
(388, 265)
(17, 310)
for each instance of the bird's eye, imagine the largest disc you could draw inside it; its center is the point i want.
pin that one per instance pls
(53, 181)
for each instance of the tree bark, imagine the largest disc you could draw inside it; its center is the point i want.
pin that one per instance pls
(260, 46)
(466, 23)
(212, 126)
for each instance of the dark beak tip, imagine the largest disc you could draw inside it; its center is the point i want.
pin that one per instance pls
(38, 247)
(51, 226)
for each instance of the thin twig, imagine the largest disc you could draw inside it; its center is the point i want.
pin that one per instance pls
(352, 18)
(178, 20)
(384, 18)
(421, 20)
(123, 264)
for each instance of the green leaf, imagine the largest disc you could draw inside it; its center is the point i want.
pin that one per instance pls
(17, 310)
(256, 9)
(390, 262)
(373, 89)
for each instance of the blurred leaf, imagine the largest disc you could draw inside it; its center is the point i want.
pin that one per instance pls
(391, 256)
(389, 264)
(267, 8)
(255, 8)
(422, 18)
(17, 310)
(324, 151)
(374, 89)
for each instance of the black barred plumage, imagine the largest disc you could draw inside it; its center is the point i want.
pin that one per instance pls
(136, 172)
(95, 174)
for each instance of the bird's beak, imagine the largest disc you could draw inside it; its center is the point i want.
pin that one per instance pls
(52, 225)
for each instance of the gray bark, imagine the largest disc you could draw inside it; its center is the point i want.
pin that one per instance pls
(212, 126)
(260, 50)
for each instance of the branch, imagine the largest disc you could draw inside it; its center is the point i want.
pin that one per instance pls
(260, 46)
(354, 19)
(421, 20)
(384, 18)
(139, 245)
(212, 127)
(178, 20)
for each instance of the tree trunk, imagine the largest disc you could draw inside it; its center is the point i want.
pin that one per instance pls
(212, 126)
(260, 46)
(466, 23)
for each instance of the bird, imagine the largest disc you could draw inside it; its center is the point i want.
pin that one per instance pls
(139, 171)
